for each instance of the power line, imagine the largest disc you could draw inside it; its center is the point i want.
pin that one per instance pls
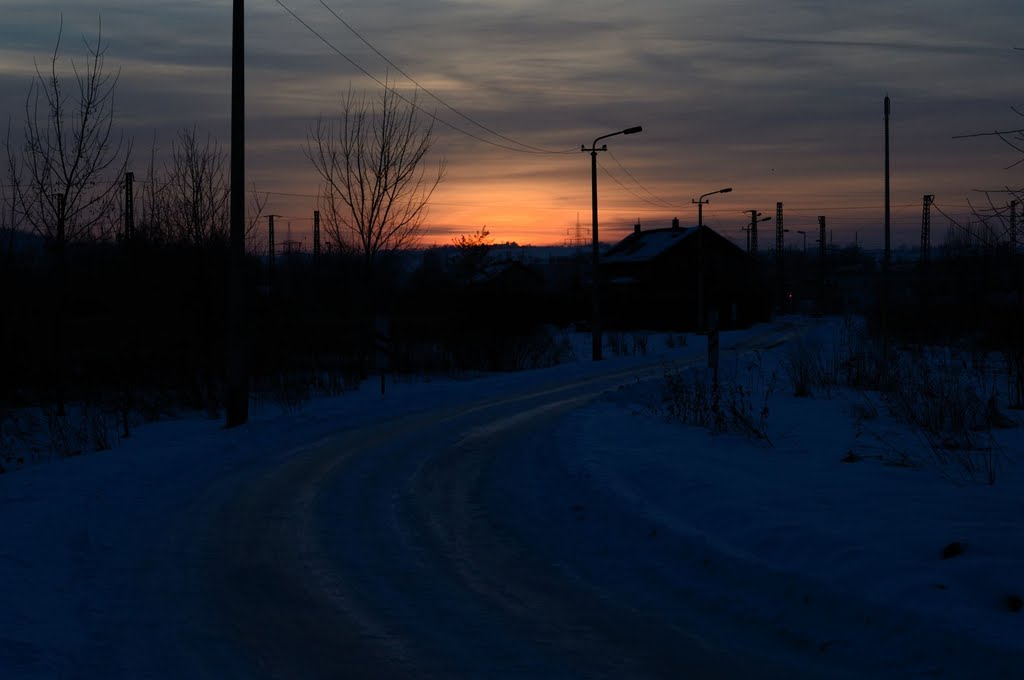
(631, 192)
(966, 230)
(435, 97)
(398, 94)
(667, 204)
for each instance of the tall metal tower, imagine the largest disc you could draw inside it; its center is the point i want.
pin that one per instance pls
(821, 239)
(778, 232)
(926, 228)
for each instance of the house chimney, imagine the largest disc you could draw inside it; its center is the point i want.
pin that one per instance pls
(636, 227)
(675, 223)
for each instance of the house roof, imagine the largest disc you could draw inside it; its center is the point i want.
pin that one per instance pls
(646, 245)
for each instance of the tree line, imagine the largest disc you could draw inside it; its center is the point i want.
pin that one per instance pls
(116, 280)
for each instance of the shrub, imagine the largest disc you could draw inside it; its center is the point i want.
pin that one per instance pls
(808, 370)
(951, 402)
(689, 397)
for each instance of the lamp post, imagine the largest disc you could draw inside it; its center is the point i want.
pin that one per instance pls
(700, 252)
(595, 320)
(804, 234)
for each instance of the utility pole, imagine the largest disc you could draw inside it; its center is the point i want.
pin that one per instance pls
(779, 245)
(752, 230)
(885, 261)
(926, 228)
(822, 251)
(58, 327)
(752, 236)
(271, 246)
(700, 252)
(886, 255)
(129, 207)
(595, 259)
(595, 321)
(1013, 227)
(237, 388)
(316, 237)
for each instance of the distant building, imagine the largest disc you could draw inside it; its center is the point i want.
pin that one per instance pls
(650, 280)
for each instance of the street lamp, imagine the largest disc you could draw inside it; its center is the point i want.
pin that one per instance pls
(804, 234)
(700, 253)
(595, 321)
(700, 203)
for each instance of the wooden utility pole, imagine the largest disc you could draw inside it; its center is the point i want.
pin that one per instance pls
(822, 251)
(886, 254)
(316, 237)
(1013, 227)
(237, 392)
(752, 234)
(926, 228)
(779, 255)
(129, 206)
(271, 246)
(60, 257)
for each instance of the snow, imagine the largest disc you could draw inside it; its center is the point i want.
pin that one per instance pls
(784, 543)
(646, 245)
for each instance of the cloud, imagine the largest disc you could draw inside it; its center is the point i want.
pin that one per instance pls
(782, 100)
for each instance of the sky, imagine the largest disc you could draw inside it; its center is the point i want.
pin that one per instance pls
(781, 101)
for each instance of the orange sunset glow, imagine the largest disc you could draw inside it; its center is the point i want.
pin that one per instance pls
(725, 99)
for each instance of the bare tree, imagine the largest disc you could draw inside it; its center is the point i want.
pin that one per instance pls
(372, 163)
(64, 177)
(195, 192)
(187, 201)
(8, 221)
(257, 204)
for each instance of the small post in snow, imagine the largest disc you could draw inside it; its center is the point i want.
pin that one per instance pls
(382, 343)
(713, 347)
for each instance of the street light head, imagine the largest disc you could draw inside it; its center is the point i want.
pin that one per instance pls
(725, 191)
(633, 130)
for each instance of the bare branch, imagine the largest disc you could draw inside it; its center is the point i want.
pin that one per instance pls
(69, 149)
(996, 133)
(376, 186)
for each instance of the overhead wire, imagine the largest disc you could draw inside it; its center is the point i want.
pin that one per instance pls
(393, 90)
(434, 96)
(666, 203)
(957, 224)
(630, 191)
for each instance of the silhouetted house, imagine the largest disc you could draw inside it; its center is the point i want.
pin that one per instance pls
(651, 278)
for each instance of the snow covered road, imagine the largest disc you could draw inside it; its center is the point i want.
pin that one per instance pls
(387, 552)
(368, 552)
(479, 529)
